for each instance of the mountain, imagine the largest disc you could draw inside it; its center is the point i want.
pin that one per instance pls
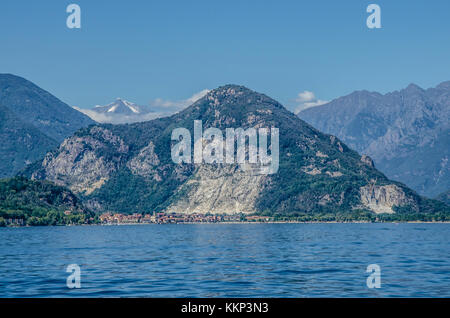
(39, 108)
(40, 203)
(444, 197)
(20, 143)
(128, 168)
(406, 132)
(121, 106)
(121, 112)
(32, 122)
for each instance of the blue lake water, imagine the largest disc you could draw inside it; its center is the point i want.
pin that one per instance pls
(227, 260)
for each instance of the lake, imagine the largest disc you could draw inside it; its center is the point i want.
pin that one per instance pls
(227, 260)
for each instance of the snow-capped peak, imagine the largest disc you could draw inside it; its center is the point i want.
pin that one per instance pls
(120, 106)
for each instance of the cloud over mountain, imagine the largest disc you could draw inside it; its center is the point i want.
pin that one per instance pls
(307, 99)
(160, 104)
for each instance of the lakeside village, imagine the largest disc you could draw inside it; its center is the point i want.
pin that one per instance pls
(168, 218)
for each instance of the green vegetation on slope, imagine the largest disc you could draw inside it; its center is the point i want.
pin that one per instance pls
(30, 202)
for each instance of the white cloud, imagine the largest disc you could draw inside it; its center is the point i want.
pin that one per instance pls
(305, 96)
(307, 99)
(197, 96)
(174, 106)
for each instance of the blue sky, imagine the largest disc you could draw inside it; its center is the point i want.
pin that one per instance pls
(143, 50)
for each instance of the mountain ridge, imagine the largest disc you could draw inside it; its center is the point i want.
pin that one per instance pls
(32, 121)
(20, 143)
(128, 168)
(406, 132)
(38, 107)
(444, 197)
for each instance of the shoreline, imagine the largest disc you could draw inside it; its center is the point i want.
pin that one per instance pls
(281, 222)
(229, 223)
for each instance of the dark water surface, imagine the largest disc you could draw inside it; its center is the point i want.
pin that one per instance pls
(227, 260)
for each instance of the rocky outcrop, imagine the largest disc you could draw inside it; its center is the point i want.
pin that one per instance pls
(82, 162)
(145, 163)
(381, 199)
(368, 161)
(224, 190)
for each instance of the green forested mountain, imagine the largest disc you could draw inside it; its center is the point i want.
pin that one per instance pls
(128, 168)
(40, 203)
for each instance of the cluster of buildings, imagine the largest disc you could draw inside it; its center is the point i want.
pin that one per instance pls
(118, 218)
(165, 218)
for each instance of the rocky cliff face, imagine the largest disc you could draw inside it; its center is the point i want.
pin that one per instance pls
(218, 190)
(128, 168)
(81, 162)
(382, 199)
(406, 132)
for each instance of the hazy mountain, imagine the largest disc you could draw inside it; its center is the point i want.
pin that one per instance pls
(31, 123)
(406, 132)
(128, 168)
(39, 108)
(444, 197)
(20, 143)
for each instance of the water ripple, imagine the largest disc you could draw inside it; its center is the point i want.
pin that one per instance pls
(218, 260)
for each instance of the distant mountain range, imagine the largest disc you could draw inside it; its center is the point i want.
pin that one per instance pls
(406, 132)
(32, 122)
(128, 168)
(121, 111)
